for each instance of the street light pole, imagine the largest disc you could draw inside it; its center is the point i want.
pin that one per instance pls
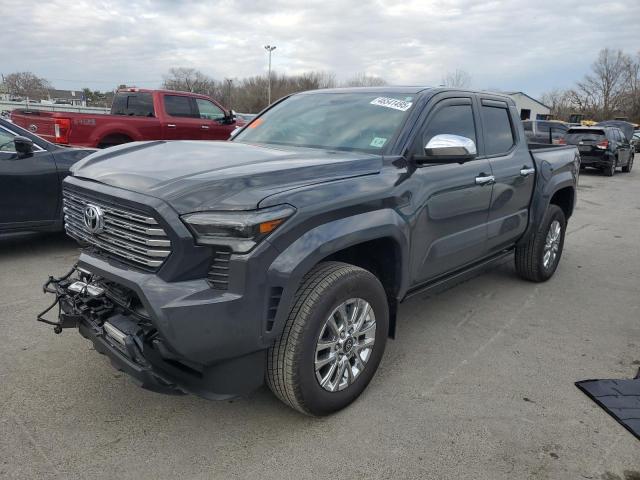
(269, 48)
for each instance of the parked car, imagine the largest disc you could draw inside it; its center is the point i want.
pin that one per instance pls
(284, 253)
(245, 117)
(136, 114)
(635, 142)
(545, 131)
(605, 148)
(31, 174)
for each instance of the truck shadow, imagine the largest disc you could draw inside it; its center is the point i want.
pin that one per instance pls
(34, 243)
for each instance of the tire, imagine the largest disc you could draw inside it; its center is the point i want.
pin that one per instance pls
(627, 168)
(610, 170)
(530, 257)
(291, 362)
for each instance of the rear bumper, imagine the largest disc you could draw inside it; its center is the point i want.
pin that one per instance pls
(595, 161)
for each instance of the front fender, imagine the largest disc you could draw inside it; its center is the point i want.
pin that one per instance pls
(302, 255)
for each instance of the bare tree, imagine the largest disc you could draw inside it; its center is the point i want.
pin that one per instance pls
(559, 101)
(601, 91)
(26, 85)
(190, 80)
(457, 79)
(363, 80)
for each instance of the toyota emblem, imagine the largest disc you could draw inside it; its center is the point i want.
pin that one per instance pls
(33, 128)
(94, 219)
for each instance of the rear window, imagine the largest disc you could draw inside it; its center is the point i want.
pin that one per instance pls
(498, 136)
(133, 104)
(575, 136)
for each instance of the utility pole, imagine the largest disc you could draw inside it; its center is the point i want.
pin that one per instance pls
(229, 82)
(269, 48)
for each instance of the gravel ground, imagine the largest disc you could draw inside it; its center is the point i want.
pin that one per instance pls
(477, 385)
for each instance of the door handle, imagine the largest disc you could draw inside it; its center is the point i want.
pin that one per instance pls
(205, 127)
(527, 171)
(486, 180)
(171, 125)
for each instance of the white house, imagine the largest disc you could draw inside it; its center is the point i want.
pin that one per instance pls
(529, 107)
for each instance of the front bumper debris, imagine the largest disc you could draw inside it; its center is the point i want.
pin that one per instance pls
(113, 317)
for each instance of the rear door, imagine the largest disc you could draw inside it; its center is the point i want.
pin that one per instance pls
(29, 187)
(212, 116)
(624, 148)
(181, 120)
(452, 199)
(506, 150)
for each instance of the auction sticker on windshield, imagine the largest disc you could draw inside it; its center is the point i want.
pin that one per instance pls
(392, 103)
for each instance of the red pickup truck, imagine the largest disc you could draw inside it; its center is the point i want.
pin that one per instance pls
(136, 114)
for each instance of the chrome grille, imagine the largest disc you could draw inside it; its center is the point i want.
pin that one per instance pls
(133, 237)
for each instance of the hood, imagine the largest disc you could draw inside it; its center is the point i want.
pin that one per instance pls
(626, 127)
(201, 175)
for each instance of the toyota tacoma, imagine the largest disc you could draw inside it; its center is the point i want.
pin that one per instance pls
(282, 255)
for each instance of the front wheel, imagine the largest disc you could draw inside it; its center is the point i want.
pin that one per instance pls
(627, 168)
(538, 259)
(333, 339)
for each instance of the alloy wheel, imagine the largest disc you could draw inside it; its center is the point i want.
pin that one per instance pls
(552, 244)
(345, 344)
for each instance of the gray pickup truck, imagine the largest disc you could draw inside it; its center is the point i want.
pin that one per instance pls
(282, 255)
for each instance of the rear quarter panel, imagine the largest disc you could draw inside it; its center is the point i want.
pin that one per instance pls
(557, 167)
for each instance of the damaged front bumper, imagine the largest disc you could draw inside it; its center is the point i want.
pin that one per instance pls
(117, 323)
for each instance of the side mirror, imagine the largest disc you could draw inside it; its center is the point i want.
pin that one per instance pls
(228, 118)
(446, 148)
(23, 146)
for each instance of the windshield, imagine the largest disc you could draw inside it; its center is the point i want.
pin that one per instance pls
(336, 121)
(574, 137)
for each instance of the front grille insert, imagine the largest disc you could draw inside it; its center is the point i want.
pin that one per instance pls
(218, 276)
(133, 237)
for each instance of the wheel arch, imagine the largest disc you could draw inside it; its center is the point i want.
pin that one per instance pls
(376, 241)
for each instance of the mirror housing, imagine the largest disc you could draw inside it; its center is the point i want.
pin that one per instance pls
(447, 148)
(23, 146)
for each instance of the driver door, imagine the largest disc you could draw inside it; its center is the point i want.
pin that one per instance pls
(212, 116)
(453, 199)
(29, 187)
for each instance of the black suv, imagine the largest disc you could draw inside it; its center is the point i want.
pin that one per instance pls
(602, 147)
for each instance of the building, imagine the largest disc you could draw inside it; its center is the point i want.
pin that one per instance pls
(529, 107)
(68, 97)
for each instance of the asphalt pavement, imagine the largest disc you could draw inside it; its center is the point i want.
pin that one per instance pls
(478, 384)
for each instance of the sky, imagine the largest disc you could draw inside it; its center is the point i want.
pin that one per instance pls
(519, 45)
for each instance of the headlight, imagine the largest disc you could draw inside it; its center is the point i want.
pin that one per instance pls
(240, 230)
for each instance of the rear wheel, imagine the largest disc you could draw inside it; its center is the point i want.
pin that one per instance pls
(610, 170)
(333, 339)
(113, 140)
(538, 259)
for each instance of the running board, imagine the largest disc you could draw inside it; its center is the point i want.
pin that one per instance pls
(458, 276)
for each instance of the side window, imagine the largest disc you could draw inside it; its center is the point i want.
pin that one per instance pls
(453, 120)
(543, 127)
(498, 134)
(140, 105)
(208, 110)
(6, 142)
(133, 104)
(178, 106)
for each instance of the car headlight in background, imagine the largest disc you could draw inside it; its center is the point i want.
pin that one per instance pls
(240, 230)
